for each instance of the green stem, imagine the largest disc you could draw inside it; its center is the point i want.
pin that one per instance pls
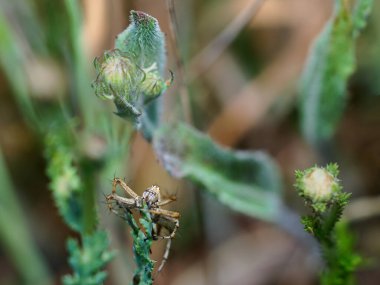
(80, 72)
(141, 247)
(15, 237)
(89, 211)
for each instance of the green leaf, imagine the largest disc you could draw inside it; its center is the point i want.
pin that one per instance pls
(248, 182)
(143, 41)
(64, 175)
(330, 63)
(12, 61)
(88, 260)
(360, 14)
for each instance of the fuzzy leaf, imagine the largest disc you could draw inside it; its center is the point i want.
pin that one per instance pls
(65, 181)
(331, 62)
(89, 260)
(248, 182)
(143, 41)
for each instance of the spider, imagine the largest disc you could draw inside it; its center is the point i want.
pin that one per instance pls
(161, 218)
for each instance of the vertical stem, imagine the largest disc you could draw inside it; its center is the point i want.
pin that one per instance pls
(16, 239)
(183, 89)
(82, 89)
(88, 196)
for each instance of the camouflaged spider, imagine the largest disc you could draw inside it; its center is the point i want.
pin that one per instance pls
(161, 218)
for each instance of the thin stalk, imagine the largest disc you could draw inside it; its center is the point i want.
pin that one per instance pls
(88, 196)
(82, 89)
(16, 239)
(12, 63)
(183, 89)
(207, 56)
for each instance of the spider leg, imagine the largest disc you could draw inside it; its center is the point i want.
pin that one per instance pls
(164, 257)
(168, 216)
(124, 186)
(165, 213)
(166, 201)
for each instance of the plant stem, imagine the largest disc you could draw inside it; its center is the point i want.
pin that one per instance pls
(17, 240)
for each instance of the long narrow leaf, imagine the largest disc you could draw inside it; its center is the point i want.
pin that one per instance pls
(15, 237)
(247, 182)
(331, 62)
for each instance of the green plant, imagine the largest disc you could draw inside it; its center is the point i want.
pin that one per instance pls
(322, 192)
(88, 260)
(248, 182)
(15, 235)
(132, 74)
(330, 64)
(68, 128)
(142, 241)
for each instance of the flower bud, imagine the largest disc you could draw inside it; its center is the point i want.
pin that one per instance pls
(318, 184)
(153, 86)
(118, 77)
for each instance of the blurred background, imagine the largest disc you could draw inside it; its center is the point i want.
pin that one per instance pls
(241, 61)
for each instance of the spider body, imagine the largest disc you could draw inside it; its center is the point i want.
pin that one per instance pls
(152, 197)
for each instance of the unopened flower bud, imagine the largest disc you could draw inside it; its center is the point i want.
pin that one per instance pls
(153, 86)
(318, 184)
(119, 79)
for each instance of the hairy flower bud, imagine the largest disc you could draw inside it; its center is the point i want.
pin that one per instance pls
(119, 80)
(318, 184)
(154, 85)
(132, 74)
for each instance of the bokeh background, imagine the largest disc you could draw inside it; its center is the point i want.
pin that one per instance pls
(241, 61)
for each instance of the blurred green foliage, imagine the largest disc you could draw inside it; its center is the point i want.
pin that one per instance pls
(65, 123)
(66, 183)
(322, 192)
(15, 237)
(248, 182)
(142, 241)
(88, 260)
(330, 63)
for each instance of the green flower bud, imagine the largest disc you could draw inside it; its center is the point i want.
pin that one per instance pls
(132, 74)
(154, 85)
(119, 79)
